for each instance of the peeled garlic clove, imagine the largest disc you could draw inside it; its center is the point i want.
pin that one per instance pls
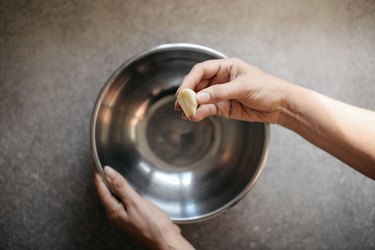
(187, 99)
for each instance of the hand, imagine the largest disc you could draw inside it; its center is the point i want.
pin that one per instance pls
(235, 89)
(137, 216)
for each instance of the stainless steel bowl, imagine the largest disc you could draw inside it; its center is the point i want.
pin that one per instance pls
(191, 170)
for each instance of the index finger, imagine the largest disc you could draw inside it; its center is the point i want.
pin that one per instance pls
(120, 187)
(109, 201)
(217, 68)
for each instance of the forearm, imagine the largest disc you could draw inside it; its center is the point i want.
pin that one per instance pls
(344, 131)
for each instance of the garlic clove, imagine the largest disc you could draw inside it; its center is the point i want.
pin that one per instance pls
(187, 99)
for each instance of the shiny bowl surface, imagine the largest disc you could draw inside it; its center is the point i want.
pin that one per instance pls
(191, 170)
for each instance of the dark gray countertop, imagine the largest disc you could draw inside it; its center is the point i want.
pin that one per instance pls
(55, 57)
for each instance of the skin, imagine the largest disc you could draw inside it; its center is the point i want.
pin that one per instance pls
(237, 90)
(137, 216)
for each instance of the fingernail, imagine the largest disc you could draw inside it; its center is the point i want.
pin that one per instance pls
(176, 108)
(203, 97)
(109, 172)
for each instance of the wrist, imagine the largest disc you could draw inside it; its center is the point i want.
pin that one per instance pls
(288, 113)
(176, 243)
(171, 240)
(294, 107)
(285, 112)
(288, 92)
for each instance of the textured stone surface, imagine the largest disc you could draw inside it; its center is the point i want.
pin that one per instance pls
(56, 55)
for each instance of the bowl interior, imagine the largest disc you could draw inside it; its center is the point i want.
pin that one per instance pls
(191, 170)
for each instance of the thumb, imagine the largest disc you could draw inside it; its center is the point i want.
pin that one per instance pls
(219, 92)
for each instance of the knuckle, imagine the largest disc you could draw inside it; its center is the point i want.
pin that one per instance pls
(236, 62)
(214, 110)
(137, 201)
(132, 203)
(185, 78)
(118, 184)
(217, 94)
(197, 66)
(114, 213)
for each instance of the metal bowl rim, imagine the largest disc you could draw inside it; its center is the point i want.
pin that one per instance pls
(112, 78)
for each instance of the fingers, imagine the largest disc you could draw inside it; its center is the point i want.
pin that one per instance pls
(120, 187)
(220, 92)
(204, 111)
(113, 207)
(214, 100)
(203, 84)
(202, 74)
(177, 106)
(215, 81)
